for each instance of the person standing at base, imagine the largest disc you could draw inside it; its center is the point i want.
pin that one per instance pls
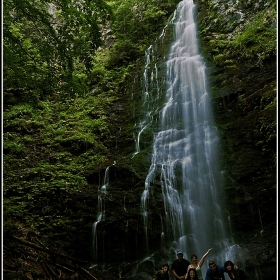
(235, 273)
(215, 272)
(180, 266)
(163, 273)
(197, 266)
(192, 274)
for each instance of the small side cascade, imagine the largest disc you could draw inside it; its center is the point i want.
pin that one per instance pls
(148, 79)
(101, 212)
(153, 89)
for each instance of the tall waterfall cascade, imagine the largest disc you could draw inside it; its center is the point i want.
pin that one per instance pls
(185, 156)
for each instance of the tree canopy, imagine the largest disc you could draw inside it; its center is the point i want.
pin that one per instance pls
(48, 46)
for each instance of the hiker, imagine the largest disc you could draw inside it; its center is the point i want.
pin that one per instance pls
(197, 266)
(215, 272)
(237, 274)
(180, 266)
(192, 274)
(162, 274)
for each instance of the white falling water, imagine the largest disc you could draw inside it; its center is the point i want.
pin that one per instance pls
(150, 81)
(184, 158)
(101, 212)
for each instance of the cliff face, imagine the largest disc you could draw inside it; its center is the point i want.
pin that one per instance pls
(237, 40)
(242, 75)
(244, 85)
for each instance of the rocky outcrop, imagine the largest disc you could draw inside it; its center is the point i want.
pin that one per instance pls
(245, 110)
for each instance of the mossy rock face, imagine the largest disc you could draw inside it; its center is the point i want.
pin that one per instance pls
(141, 163)
(244, 100)
(243, 85)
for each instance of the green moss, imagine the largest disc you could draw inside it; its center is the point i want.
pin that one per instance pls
(13, 144)
(258, 39)
(141, 163)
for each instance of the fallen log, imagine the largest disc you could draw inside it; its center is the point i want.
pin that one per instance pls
(88, 273)
(70, 268)
(44, 249)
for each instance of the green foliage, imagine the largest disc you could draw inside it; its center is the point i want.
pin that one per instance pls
(60, 84)
(258, 39)
(13, 144)
(250, 37)
(136, 24)
(124, 52)
(105, 79)
(48, 46)
(54, 145)
(255, 39)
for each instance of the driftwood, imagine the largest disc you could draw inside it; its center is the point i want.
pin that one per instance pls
(45, 249)
(39, 242)
(46, 270)
(63, 267)
(52, 269)
(88, 274)
(14, 271)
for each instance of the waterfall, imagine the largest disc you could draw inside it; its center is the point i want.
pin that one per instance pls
(149, 82)
(152, 88)
(185, 156)
(100, 212)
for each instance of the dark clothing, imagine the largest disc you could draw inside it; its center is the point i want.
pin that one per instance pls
(240, 274)
(160, 276)
(180, 267)
(215, 275)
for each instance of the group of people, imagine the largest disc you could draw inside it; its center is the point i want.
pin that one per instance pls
(184, 270)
